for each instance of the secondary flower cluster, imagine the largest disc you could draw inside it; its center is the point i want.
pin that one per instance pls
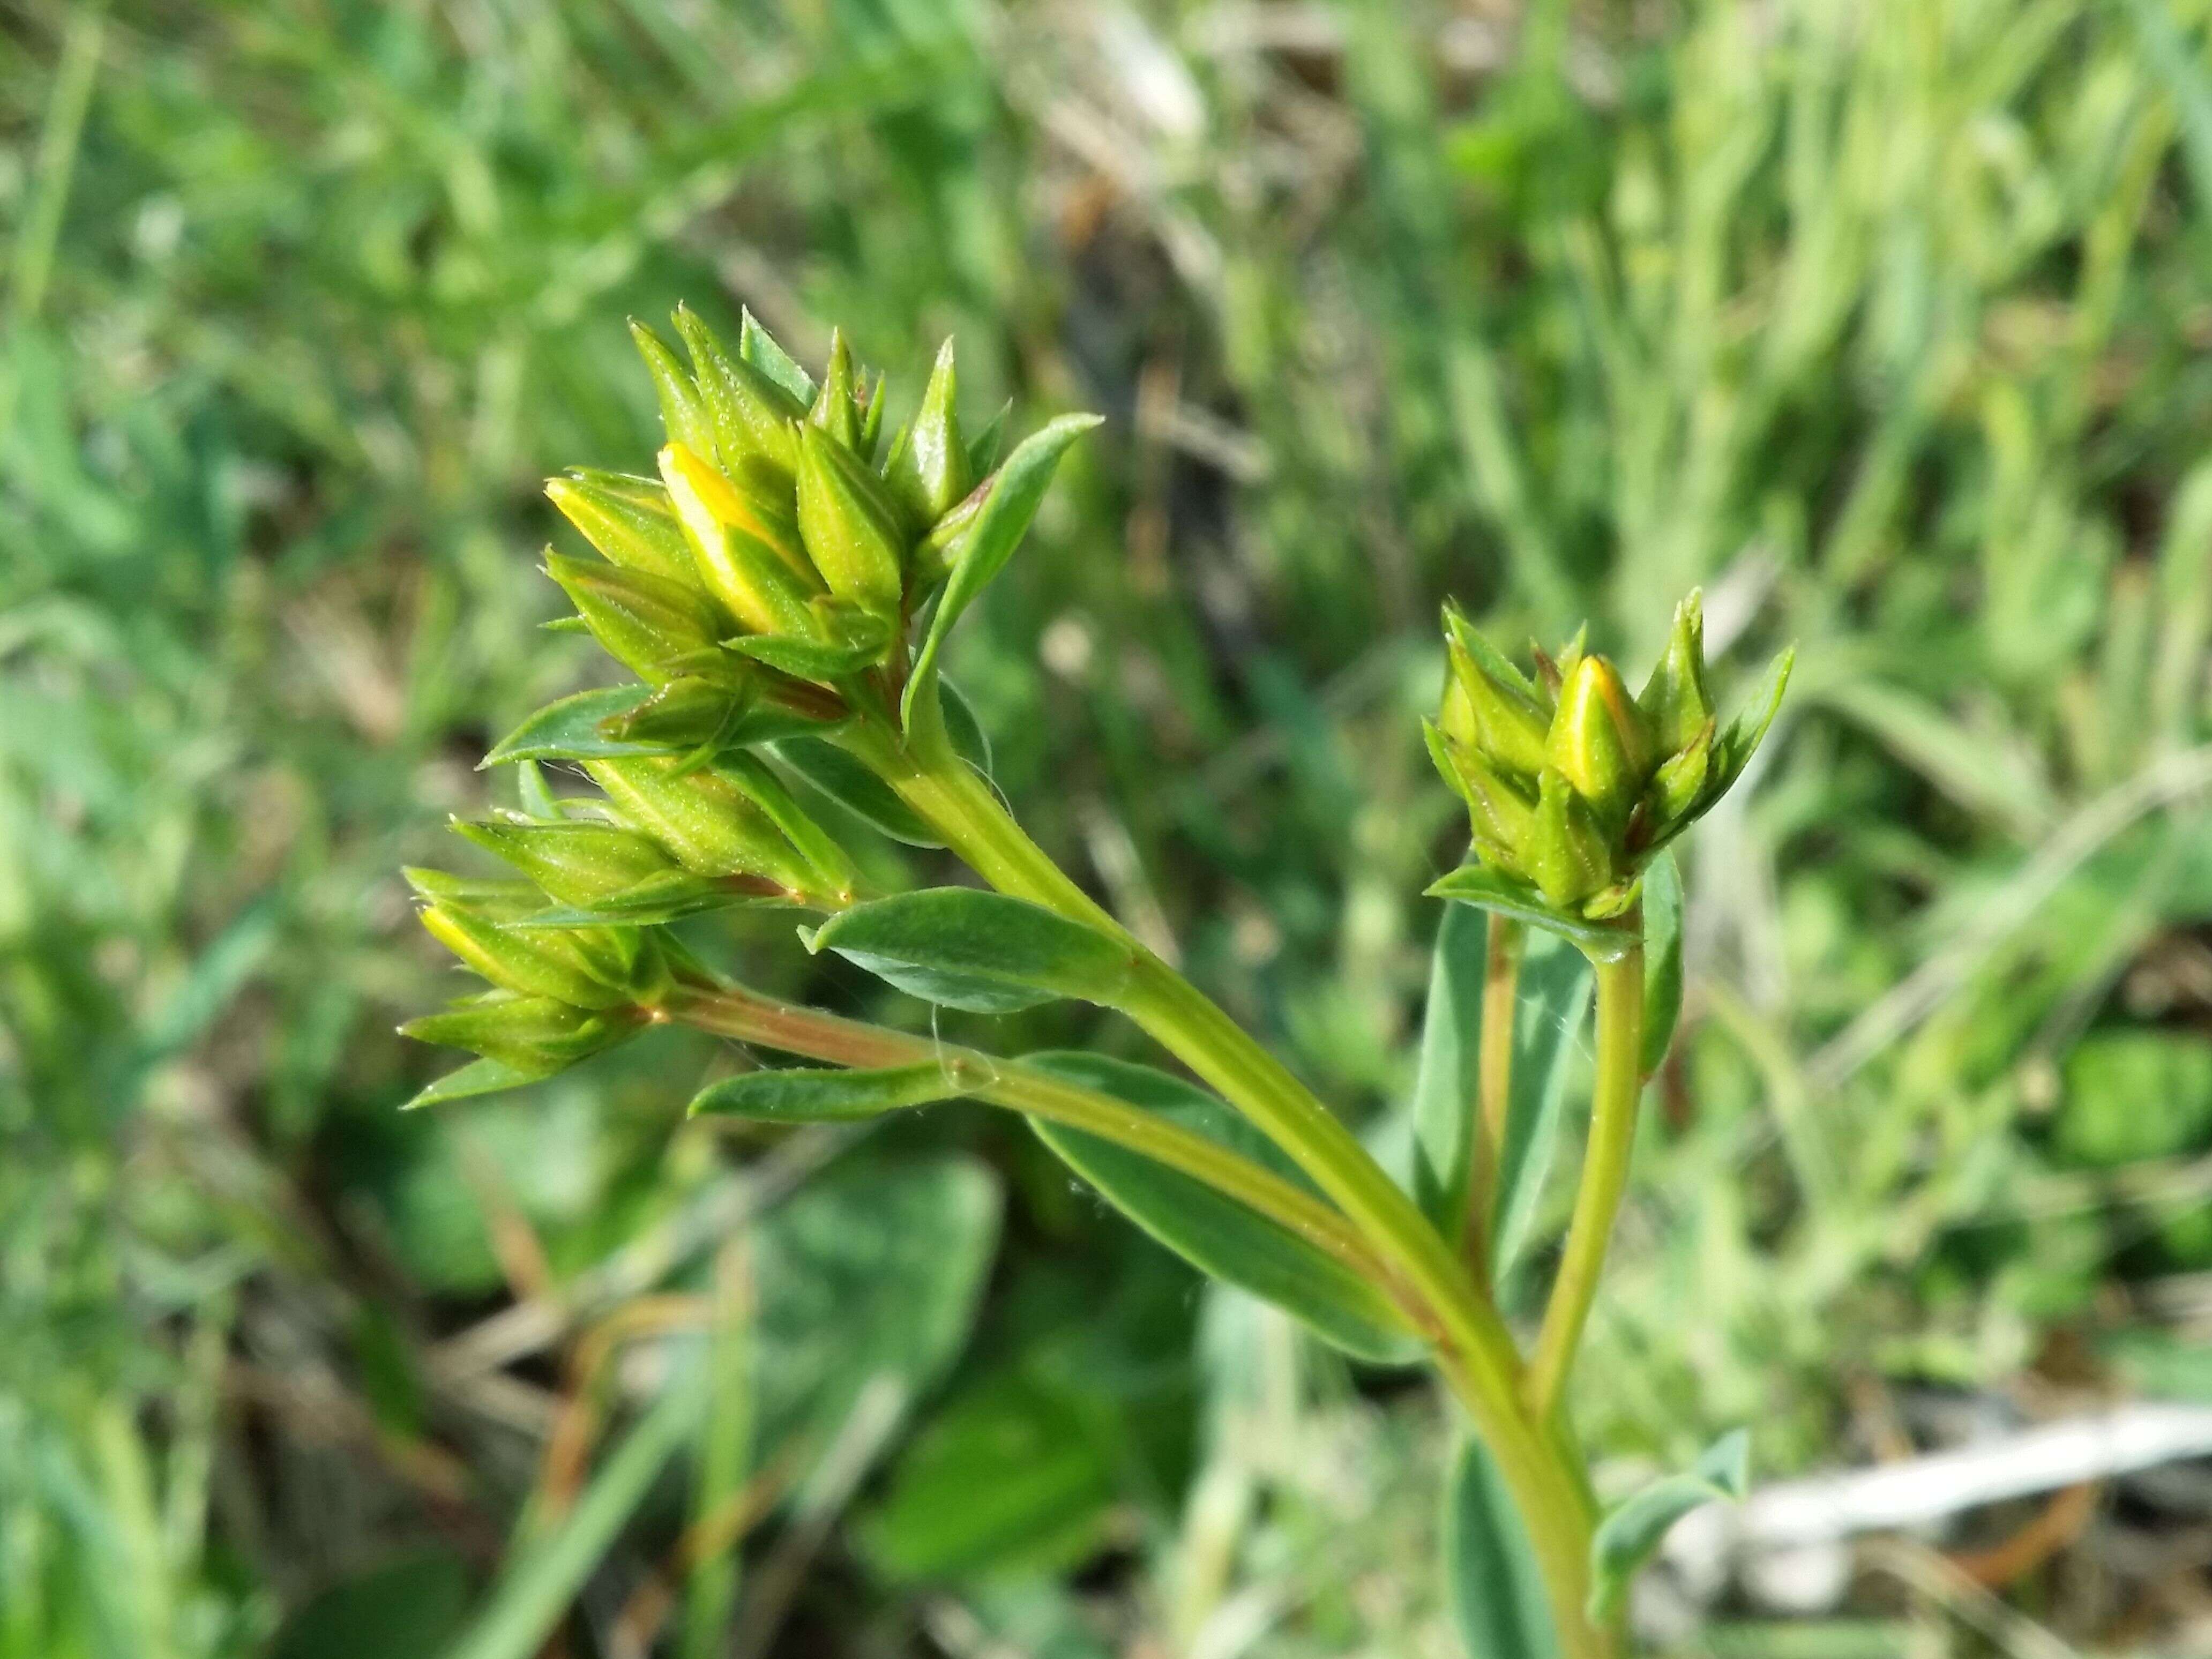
(761, 588)
(1572, 784)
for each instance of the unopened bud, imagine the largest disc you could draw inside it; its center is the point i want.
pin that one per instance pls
(539, 1035)
(1675, 699)
(752, 418)
(1679, 782)
(683, 410)
(1600, 741)
(837, 409)
(1567, 853)
(850, 524)
(579, 862)
(710, 825)
(644, 621)
(765, 585)
(1488, 706)
(628, 519)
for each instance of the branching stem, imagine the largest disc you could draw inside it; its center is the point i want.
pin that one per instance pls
(733, 1011)
(1475, 1353)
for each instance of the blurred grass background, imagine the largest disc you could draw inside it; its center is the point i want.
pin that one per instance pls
(1887, 320)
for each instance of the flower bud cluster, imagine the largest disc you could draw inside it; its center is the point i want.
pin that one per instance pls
(761, 588)
(1572, 784)
(783, 547)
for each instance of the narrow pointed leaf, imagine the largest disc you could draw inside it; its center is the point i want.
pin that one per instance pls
(478, 1077)
(1445, 1087)
(1627, 1537)
(569, 731)
(1012, 499)
(1662, 958)
(983, 448)
(1496, 1588)
(802, 1094)
(853, 787)
(1214, 1233)
(1488, 890)
(969, 740)
(1548, 1024)
(820, 660)
(982, 951)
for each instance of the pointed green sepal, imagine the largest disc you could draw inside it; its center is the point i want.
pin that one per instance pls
(836, 408)
(683, 410)
(1008, 500)
(751, 414)
(1674, 700)
(928, 469)
(1567, 852)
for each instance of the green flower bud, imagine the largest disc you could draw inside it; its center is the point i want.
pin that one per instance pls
(539, 1035)
(579, 862)
(765, 585)
(1675, 699)
(751, 415)
(628, 519)
(683, 410)
(1567, 853)
(560, 963)
(644, 621)
(1600, 741)
(1501, 813)
(852, 526)
(477, 921)
(702, 817)
(928, 467)
(837, 407)
(1489, 708)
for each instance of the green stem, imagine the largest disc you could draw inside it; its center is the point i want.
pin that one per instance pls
(1493, 1101)
(731, 1012)
(1613, 1095)
(1475, 1353)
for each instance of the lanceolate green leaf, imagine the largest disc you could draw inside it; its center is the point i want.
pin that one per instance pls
(1547, 1024)
(977, 951)
(1216, 1234)
(1627, 1537)
(1496, 1590)
(1662, 958)
(800, 1094)
(1444, 1088)
(1480, 886)
(846, 780)
(478, 1077)
(569, 729)
(1014, 493)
